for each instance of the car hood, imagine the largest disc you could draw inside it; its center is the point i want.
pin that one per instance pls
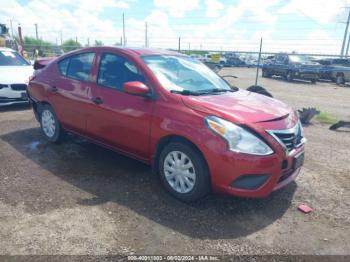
(15, 74)
(240, 107)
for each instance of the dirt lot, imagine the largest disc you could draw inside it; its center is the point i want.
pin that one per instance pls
(78, 198)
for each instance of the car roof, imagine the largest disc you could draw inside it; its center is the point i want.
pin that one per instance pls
(130, 50)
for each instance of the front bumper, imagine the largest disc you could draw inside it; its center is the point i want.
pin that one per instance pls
(9, 96)
(229, 170)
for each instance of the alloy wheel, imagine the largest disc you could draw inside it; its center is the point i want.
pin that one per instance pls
(48, 123)
(179, 172)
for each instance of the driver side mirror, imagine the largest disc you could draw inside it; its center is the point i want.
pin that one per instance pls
(136, 88)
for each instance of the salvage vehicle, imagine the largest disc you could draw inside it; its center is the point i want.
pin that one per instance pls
(341, 74)
(172, 112)
(328, 66)
(291, 67)
(14, 74)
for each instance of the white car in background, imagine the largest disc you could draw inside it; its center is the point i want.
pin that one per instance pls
(14, 75)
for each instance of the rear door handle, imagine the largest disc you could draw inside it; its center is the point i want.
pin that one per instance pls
(53, 89)
(97, 100)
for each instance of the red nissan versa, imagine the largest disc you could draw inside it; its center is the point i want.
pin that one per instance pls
(174, 113)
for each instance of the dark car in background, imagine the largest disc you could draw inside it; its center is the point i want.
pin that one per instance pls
(234, 62)
(292, 67)
(329, 65)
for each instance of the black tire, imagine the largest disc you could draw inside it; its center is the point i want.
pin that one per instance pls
(289, 76)
(340, 80)
(265, 74)
(313, 81)
(58, 133)
(202, 180)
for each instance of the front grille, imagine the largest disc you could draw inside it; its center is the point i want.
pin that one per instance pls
(289, 138)
(7, 100)
(18, 87)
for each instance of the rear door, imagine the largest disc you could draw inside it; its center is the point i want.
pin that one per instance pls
(71, 89)
(119, 119)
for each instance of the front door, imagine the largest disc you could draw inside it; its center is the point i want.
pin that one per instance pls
(119, 119)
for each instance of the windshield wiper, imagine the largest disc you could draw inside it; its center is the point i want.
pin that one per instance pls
(185, 92)
(201, 92)
(216, 90)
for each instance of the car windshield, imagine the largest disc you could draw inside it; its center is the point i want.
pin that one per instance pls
(10, 58)
(299, 59)
(184, 74)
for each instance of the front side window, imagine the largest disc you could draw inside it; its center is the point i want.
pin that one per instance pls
(116, 70)
(10, 58)
(182, 73)
(79, 66)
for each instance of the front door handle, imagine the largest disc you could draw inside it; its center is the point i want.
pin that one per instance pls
(97, 100)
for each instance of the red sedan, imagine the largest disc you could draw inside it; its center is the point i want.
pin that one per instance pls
(172, 112)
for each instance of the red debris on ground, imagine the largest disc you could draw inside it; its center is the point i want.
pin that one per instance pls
(305, 208)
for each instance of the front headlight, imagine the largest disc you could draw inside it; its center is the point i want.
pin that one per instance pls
(238, 139)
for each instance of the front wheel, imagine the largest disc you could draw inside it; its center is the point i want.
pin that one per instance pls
(340, 80)
(50, 126)
(183, 172)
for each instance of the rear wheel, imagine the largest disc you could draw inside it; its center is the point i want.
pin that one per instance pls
(313, 81)
(266, 74)
(50, 126)
(340, 80)
(183, 171)
(289, 76)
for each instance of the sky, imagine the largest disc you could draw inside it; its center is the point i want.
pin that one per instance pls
(304, 26)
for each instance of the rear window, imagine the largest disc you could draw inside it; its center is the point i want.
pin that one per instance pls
(63, 66)
(77, 66)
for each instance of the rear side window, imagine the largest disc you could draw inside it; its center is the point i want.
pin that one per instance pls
(78, 66)
(63, 66)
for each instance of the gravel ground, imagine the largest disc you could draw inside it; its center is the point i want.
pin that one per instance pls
(78, 198)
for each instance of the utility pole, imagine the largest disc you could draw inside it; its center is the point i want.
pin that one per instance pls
(347, 47)
(61, 37)
(36, 31)
(179, 48)
(11, 28)
(259, 58)
(146, 35)
(21, 47)
(189, 48)
(345, 35)
(88, 41)
(76, 39)
(124, 30)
